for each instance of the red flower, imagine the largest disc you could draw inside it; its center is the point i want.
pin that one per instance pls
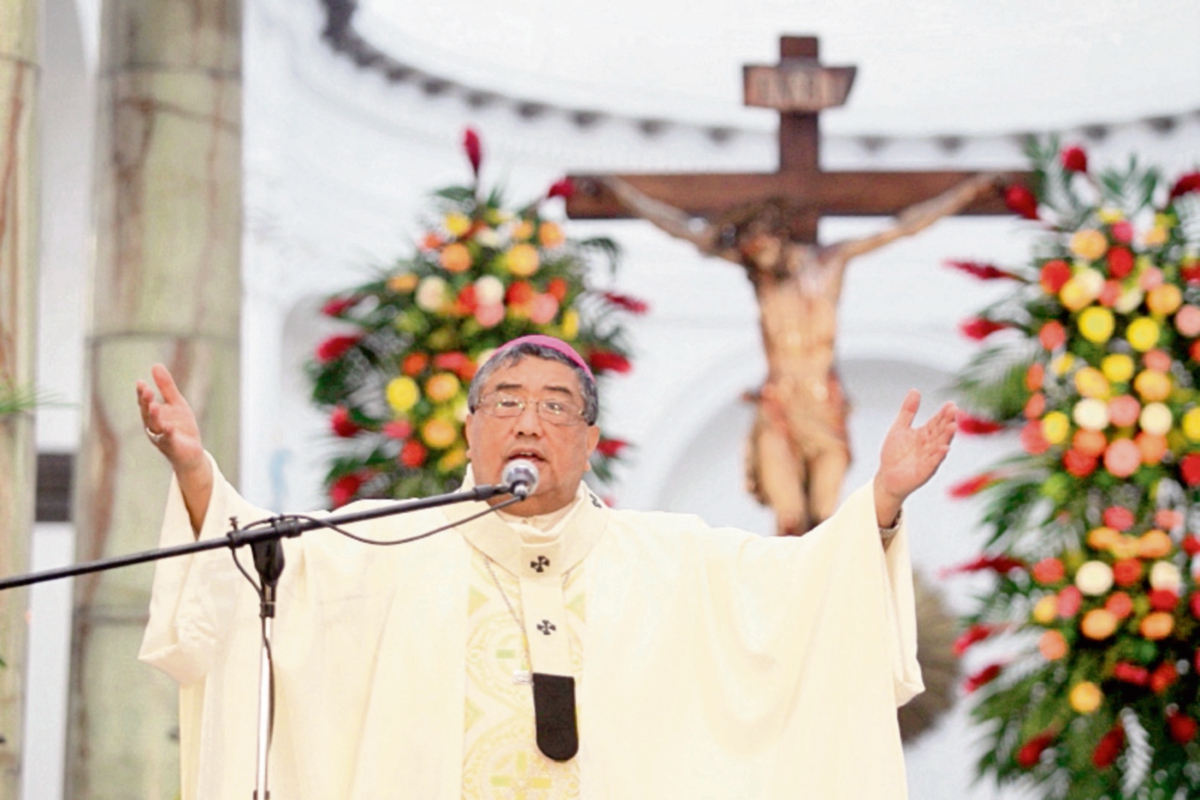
(563, 188)
(977, 425)
(1069, 601)
(412, 455)
(1000, 564)
(414, 364)
(1021, 201)
(1191, 273)
(611, 447)
(519, 293)
(1049, 570)
(1052, 335)
(1031, 752)
(345, 488)
(474, 149)
(335, 347)
(1074, 159)
(1119, 518)
(1190, 544)
(607, 361)
(1122, 231)
(1120, 262)
(1163, 676)
(335, 306)
(456, 362)
(557, 288)
(1079, 464)
(1053, 275)
(984, 272)
(341, 423)
(1127, 571)
(466, 299)
(972, 635)
(1110, 746)
(1131, 673)
(631, 304)
(1189, 468)
(972, 485)
(1194, 604)
(1119, 604)
(1163, 599)
(982, 678)
(979, 328)
(1188, 183)
(1181, 727)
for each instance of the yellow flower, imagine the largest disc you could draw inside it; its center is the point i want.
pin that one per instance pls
(1191, 424)
(1075, 294)
(1155, 236)
(1109, 215)
(439, 433)
(1086, 697)
(1117, 367)
(1096, 324)
(1125, 546)
(403, 283)
(570, 324)
(1089, 244)
(1055, 427)
(1152, 385)
(522, 260)
(456, 224)
(1062, 364)
(1098, 624)
(1046, 609)
(452, 460)
(1142, 334)
(1091, 383)
(402, 394)
(1102, 538)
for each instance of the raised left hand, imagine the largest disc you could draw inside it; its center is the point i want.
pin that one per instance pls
(910, 456)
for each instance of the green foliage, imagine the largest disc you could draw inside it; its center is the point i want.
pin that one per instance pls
(1090, 530)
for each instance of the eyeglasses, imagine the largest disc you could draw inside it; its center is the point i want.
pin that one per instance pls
(507, 406)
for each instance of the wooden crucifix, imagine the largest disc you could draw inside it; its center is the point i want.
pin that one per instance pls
(767, 223)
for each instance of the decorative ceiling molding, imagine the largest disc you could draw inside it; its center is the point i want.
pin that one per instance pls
(341, 36)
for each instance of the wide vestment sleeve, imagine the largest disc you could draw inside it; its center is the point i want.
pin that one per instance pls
(720, 664)
(368, 648)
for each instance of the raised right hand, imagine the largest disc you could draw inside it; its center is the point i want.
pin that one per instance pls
(171, 425)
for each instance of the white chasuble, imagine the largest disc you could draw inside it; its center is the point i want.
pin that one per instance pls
(713, 664)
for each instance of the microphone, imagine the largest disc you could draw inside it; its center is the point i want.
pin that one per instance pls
(521, 477)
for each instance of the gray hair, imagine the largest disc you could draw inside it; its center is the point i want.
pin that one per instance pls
(515, 354)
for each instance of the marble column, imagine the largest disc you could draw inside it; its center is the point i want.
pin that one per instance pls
(166, 288)
(18, 302)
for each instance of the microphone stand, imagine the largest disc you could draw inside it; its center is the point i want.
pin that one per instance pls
(264, 542)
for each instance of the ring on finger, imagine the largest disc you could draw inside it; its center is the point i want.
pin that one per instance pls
(154, 437)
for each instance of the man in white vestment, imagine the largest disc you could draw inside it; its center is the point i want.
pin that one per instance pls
(554, 649)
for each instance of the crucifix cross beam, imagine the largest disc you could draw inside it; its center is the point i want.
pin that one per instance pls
(799, 87)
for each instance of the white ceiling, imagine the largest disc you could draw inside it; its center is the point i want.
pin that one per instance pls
(924, 66)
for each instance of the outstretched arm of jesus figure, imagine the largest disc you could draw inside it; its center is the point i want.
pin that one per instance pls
(910, 456)
(917, 218)
(667, 218)
(172, 427)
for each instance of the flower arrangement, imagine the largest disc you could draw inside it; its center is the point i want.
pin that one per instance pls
(1094, 358)
(395, 383)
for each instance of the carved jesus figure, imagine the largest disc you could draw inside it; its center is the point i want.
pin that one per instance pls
(798, 450)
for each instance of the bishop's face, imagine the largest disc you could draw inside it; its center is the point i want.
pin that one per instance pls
(561, 452)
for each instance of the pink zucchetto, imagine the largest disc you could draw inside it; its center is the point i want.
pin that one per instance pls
(547, 341)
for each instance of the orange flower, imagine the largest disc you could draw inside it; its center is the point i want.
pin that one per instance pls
(1052, 645)
(1157, 625)
(455, 258)
(1152, 446)
(1154, 544)
(1089, 443)
(442, 387)
(1098, 624)
(1119, 604)
(550, 235)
